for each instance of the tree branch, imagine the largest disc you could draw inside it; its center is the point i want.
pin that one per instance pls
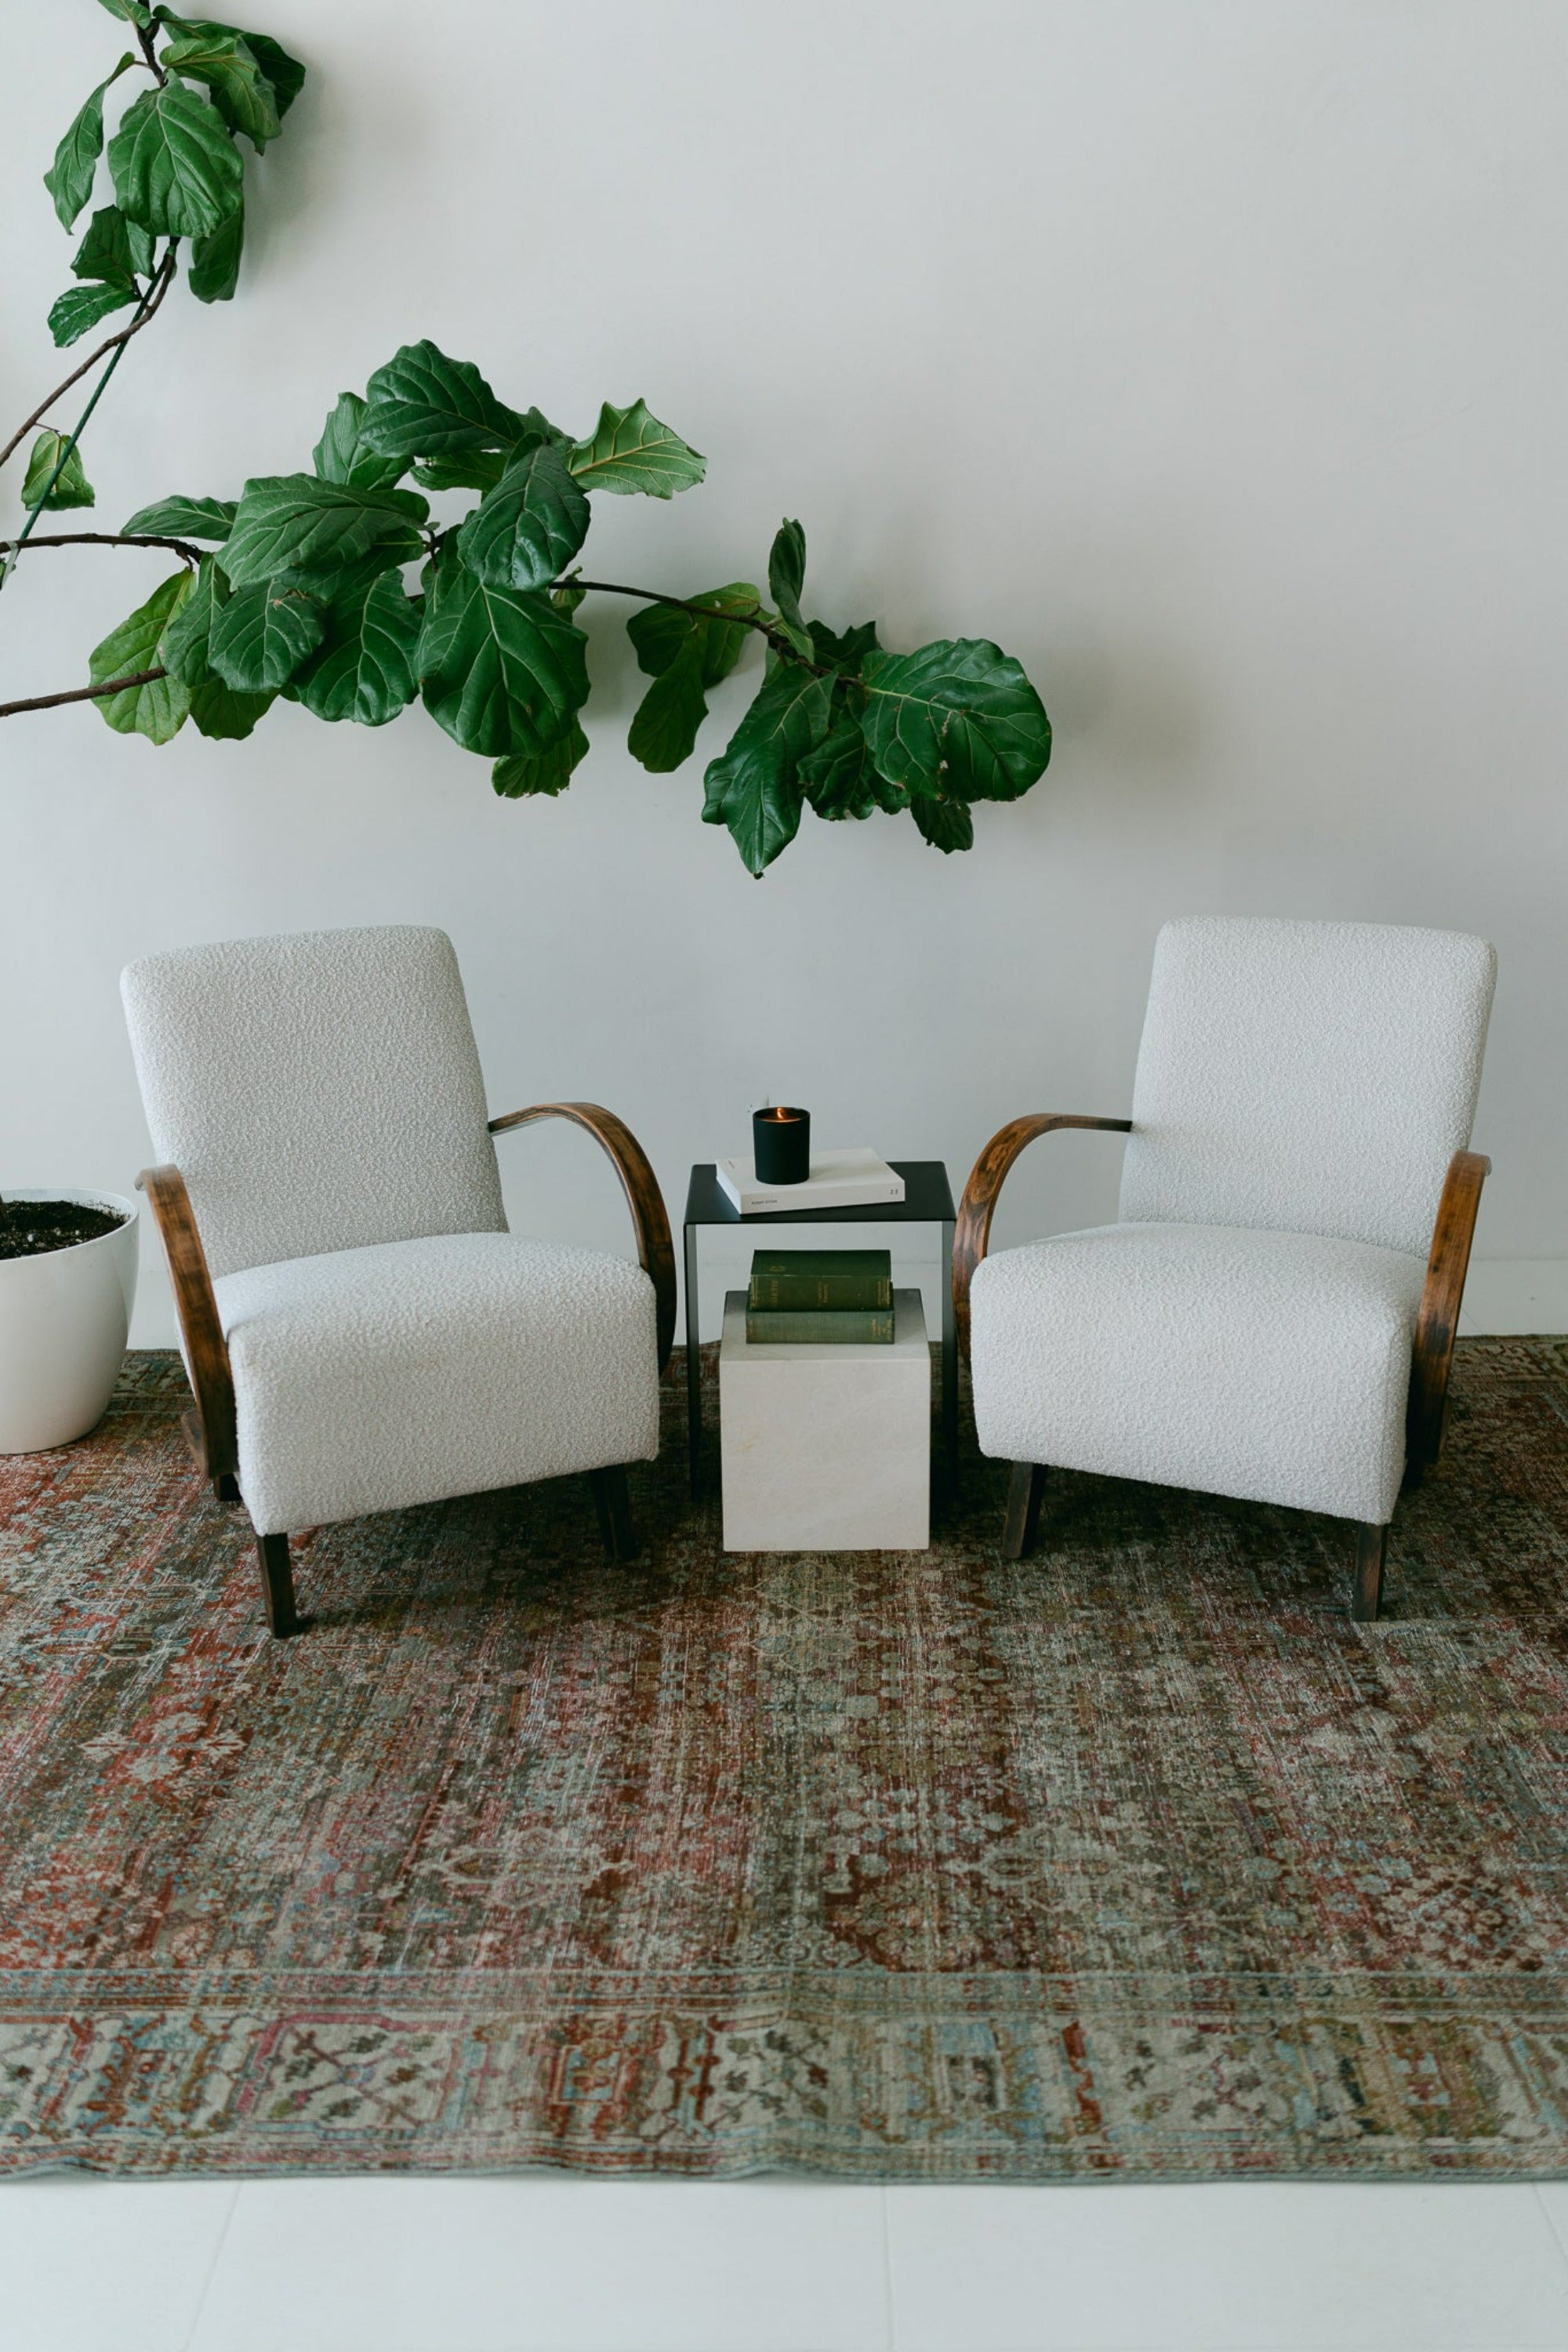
(81, 693)
(146, 35)
(155, 295)
(775, 637)
(183, 547)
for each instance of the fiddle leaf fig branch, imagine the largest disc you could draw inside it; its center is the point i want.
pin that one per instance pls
(176, 173)
(306, 594)
(341, 589)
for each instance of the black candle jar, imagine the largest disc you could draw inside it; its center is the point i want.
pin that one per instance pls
(781, 1144)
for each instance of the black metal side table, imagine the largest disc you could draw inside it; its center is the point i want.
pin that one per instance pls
(928, 1200)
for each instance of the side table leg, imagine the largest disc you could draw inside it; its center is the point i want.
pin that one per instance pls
(949, 1363)
(694, 1363)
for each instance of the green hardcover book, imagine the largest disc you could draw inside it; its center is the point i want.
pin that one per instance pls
(848, 1327)
(794, 1279)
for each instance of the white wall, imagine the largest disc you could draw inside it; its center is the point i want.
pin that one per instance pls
(1211, 357)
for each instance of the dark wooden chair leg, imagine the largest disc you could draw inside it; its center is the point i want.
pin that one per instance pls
(226, 1488)
(1023, 1519)
(277, 1584)
(1371, 1550)
(612, 1500)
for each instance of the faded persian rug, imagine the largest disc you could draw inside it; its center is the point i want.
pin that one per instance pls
(1134, 1860)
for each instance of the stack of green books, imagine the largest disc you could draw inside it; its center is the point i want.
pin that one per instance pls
(844, 1295)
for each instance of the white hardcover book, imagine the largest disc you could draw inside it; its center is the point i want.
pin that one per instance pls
(838, 1180)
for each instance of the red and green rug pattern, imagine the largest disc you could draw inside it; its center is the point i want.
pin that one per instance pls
(1135, 1859)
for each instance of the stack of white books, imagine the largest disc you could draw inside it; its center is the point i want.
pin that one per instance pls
(838, 1180)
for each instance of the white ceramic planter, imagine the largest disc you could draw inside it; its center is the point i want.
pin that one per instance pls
(63, 1320)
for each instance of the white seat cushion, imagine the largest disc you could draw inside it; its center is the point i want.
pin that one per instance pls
(1272, 1366)
(368, 1380)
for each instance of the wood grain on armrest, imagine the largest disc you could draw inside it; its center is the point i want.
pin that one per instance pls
(656, 1250)
(972, 1234)
(1438, 1318)
(207, 1351)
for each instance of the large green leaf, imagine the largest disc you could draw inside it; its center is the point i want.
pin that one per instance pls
(215, 259)
(838, 778)
(723, 642)
(343, 455)
(664, 731)
(72, 489)
(80, 308)
(500, 669)
(115, 249)
(685, 656)
(532, 522)
(183, 649)
(217, 709)
(261, 636)
(225, 715)
(70, 176)
(786, 578)
(228, 65)
(526, 775)
(755, 786)
(786, 567)
(174, 167)
(293, 522)
(630, 450)
(158, 710)
(364, 670)
(131, 12)
(424, 404)
(659, 632)
(946, 824)
(183, 518)
(956, 720)
(286, 74)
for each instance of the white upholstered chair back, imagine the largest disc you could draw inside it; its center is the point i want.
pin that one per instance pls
(318, 1092)
(1306, 1077)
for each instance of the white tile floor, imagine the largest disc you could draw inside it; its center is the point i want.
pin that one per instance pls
(544, 2264)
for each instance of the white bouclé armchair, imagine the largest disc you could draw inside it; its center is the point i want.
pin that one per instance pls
(361, 1330)
(1273, 1315)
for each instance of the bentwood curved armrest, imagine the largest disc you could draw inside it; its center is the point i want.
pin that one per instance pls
(972, 1233)
(1438, 1318)
(650, 1222)
(207, 1351)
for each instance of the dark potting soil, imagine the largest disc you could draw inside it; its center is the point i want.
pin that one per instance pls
(28, 1228)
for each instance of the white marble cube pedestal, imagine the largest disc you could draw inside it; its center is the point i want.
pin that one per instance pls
(827, 1448)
